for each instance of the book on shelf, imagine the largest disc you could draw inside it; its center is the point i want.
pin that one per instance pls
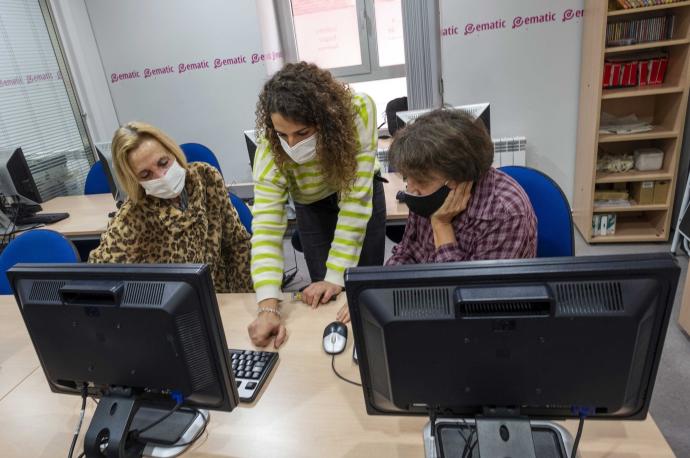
(630, 124)
(629, 4)
(641, 69)
(642, 30)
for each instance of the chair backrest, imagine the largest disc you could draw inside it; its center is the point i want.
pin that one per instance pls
(555, 236)
(39, 245)
(243, 211)
(196, 152)
(96, 180)
(392, 108)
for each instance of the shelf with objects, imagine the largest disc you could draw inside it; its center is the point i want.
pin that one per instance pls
(633, 101)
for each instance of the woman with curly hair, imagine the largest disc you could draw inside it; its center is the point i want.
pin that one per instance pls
(318, 145)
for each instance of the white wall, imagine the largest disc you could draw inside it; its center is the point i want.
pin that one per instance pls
(208, 105)
(529, 73)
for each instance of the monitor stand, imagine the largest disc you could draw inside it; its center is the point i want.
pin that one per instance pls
(178, 431)
(547, 439)
(116, 416)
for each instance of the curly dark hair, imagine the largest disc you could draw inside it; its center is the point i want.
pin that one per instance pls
(304, 93)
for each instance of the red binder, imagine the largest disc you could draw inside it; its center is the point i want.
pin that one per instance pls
(662, 70)
(607, 74)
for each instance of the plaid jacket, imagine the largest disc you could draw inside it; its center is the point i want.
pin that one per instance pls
(498, 223)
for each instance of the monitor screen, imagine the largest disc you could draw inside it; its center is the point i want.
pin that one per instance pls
(16, 177)
(250, 139)
(150, 329)
(542, 335)
(105, 156)
(476, 111)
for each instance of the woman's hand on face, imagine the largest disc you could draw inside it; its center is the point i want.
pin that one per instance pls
(320, 292)
(455, 203)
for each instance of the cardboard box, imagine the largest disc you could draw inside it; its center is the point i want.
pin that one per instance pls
(642, 192)
(661, 189)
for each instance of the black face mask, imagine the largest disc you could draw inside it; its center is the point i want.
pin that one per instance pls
(427, 205)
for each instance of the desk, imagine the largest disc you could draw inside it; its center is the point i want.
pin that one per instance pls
(88, 215)
(395, 211)
(303, 411)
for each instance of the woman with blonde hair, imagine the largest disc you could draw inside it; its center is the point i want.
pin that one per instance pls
(318, 144)
(175, 212)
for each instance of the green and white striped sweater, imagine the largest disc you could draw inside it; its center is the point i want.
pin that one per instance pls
(306, 185)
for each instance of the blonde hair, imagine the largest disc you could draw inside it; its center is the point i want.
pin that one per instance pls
(127, 139)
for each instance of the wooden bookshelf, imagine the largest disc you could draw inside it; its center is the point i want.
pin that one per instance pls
(632, 176)
(646, 9)
(656, 132)
(646, 46)
(630, 208)
(664, 104)
(640, 91)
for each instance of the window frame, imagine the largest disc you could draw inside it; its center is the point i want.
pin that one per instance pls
(70, 88)
(369, 70)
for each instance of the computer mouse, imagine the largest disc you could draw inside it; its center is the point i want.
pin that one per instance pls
(334, 338)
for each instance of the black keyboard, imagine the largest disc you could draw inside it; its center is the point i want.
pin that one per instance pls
(251, 368)
(42, 218)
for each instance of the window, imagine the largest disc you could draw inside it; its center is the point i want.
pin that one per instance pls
(358, 40)
(39, 111)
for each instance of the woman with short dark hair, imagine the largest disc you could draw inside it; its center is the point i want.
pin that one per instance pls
(461, 208)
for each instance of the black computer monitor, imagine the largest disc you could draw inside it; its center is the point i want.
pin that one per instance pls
(106, 161)
(544, 338)
(250, 140)
(143, 338)
(16, 178)
(478, 111)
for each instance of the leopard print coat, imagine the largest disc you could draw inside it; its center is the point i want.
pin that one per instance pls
(209, 231)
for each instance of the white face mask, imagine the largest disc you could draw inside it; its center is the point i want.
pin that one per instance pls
(303, 151)
(169, 185)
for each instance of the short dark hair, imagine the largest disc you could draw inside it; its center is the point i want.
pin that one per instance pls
(448, 142)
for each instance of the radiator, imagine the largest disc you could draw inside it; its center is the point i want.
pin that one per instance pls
(507, 151)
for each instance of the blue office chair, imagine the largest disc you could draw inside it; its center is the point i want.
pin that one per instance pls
(196, 152)
(243, 211)
(39, 245)
(555, 236)
(96, 180)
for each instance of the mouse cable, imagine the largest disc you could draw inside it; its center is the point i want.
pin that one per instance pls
(340, 376)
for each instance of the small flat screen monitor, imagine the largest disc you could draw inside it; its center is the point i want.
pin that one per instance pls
(544, 336)
(250, 139)
(146, 336)
(16, 177)
(476, 111)
(105, 156)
